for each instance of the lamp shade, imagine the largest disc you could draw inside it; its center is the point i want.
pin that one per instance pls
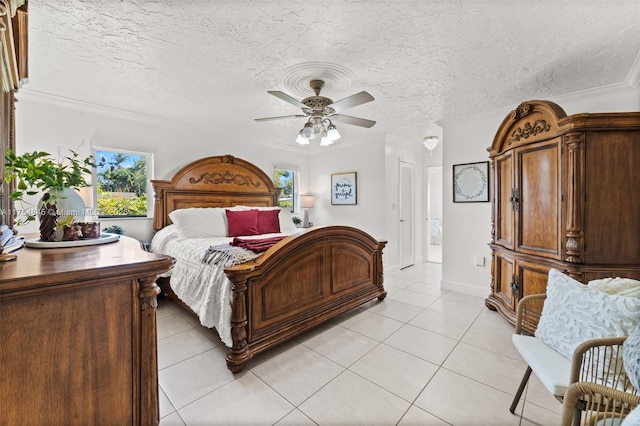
(332, 132)
(302, 140)
(307, 201)
(325, 141)
(307, 131)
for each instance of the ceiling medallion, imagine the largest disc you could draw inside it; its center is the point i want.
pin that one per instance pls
(295, 79)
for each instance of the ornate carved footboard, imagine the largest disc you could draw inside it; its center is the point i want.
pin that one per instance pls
(302, 281)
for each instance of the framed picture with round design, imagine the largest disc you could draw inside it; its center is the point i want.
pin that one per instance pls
(471, 182)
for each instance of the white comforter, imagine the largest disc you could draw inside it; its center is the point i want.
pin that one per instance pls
(201, 286)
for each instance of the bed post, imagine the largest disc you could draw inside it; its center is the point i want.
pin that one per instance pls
(379, 267)
(239, 354)
(158, 216)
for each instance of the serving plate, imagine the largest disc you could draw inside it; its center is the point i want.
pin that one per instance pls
(103, 239)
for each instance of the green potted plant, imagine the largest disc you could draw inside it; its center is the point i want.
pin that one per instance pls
(296, 221)
(114, 229)
(57, 179)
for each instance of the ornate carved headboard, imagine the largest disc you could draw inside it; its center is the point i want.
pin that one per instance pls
(222, 181)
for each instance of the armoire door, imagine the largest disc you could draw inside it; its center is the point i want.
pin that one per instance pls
(532, 278)
(538, 199)
(504, 217)
(503, 280)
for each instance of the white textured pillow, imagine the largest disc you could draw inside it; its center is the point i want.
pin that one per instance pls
(200, 222)
(574, 313)
(620, 286)
(631, 355)
(286, 220)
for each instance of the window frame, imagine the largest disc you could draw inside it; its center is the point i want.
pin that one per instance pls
(295, 207)
(148, 187)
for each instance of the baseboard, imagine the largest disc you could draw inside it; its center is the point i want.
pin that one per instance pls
(390, 269)
(471, 289)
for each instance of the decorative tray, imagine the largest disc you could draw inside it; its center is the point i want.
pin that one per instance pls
(103, 239)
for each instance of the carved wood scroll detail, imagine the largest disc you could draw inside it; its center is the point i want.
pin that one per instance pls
(575, 151)
(523, 110)
(538, 126)
(147, 382)
(225, 177)
(148, 292)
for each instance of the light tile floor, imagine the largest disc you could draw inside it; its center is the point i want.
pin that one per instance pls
(423, 356)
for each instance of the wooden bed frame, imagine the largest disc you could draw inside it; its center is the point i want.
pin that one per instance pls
(301, 282)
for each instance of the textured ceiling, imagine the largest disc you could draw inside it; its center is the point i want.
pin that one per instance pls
(210, 63)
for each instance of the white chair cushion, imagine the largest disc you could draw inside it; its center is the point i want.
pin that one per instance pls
(551, 367)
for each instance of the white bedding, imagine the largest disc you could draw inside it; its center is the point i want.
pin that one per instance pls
(201, 286)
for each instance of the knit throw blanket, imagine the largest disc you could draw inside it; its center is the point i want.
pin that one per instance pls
(228, 255)
(238, 251)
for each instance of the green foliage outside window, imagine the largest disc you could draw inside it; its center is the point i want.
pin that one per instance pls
(114, 204)
(284, 179)
(122, 184)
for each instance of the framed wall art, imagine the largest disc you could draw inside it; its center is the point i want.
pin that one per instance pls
(471, 182)
(344, 188)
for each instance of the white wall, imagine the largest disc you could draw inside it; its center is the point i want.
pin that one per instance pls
(46, 124)
(366, 158)
(466, 226)
(397, 150)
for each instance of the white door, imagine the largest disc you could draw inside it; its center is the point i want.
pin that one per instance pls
(407, 255)
(434, 214)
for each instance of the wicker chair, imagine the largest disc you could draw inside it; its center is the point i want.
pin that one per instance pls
(597, 404)
(598, 361)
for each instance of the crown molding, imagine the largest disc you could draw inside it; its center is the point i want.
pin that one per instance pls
(559, 99)
(64, 102)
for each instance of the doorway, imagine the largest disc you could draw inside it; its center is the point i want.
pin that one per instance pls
(434, 214)
(407, 243)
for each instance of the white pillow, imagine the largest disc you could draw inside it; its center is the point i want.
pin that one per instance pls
(286, 220)
(574, 313)
(200, 222)
(631, 355)
(620, 286)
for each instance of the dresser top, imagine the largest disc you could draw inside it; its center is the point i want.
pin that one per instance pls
(39, 267)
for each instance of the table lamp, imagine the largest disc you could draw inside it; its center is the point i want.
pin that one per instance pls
(307, 202)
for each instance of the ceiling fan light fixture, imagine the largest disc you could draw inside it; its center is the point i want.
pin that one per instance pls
(307, 131)
(431, 142)
(332, 132)
(301, 139)
(325, 140)
(318, 109)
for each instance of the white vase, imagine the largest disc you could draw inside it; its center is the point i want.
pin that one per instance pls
(62, 206)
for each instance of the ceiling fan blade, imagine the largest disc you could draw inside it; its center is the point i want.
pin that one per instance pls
(287, 98)
(280, 117)
(362, 122)
(351, 101)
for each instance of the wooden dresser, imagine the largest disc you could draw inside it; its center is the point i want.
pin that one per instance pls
(566, 195)
(78, 335)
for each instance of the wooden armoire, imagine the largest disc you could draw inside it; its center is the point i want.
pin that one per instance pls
(566, 195)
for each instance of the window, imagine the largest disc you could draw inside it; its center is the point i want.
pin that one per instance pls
(285, 178)
(122, 188)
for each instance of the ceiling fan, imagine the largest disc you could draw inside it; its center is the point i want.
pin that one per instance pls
(320, 111)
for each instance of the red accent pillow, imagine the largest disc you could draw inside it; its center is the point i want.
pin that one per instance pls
(242, 222)
(268, 221)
